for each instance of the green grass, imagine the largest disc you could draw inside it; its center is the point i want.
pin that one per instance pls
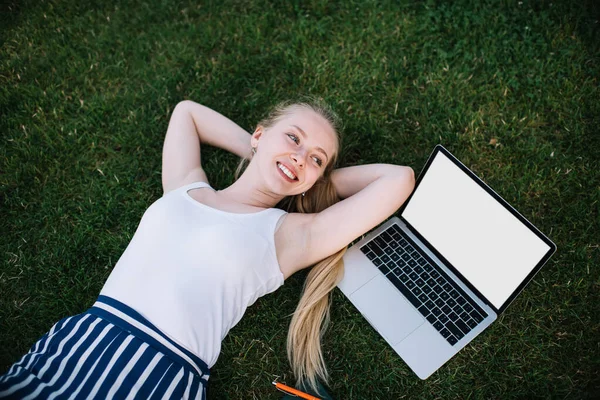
(86, 90)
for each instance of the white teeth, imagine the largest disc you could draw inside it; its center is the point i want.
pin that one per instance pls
(287, 171)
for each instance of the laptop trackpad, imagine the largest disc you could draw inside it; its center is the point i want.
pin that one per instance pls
(386, 309)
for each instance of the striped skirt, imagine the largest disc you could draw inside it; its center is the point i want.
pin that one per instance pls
(108, 352)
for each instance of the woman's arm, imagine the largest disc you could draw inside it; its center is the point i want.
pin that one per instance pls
(217, 130)
(350, 180)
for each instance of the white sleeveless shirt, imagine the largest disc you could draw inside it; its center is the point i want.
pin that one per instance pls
(192, 270)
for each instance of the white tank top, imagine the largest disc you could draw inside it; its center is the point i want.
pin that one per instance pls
(192, 270)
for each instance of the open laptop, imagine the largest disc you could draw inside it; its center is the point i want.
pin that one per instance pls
(433, 279)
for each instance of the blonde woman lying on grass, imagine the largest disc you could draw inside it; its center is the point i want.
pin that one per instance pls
(200, 257)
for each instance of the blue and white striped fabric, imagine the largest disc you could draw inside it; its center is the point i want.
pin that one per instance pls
(108, 352)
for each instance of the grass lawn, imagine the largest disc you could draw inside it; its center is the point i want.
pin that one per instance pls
(510, 87)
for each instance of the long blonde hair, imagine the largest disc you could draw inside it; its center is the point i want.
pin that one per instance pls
(311, 318)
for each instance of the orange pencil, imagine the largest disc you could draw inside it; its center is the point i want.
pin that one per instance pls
(293, 391)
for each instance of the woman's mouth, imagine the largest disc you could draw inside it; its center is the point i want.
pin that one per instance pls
(283, 171)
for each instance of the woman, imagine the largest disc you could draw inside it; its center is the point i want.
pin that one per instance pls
(201, 256)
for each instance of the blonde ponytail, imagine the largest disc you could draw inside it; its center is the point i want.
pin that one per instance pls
(311, 319)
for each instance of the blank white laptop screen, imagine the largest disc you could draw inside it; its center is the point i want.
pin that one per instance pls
(487, 244)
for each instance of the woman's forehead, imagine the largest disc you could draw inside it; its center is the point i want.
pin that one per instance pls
(314, 126)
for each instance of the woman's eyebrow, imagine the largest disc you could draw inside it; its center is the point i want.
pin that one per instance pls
(304, 136)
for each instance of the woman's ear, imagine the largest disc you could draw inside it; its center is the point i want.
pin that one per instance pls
(256, 136)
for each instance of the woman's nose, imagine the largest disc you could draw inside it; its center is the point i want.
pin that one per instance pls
(299, 158)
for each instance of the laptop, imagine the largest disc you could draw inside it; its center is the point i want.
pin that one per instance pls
(432, 279)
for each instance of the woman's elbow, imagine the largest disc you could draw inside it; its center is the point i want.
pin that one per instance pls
(407, 181)
(407, 175)
(411, 174)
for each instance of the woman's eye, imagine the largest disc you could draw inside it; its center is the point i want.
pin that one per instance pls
(295, 139)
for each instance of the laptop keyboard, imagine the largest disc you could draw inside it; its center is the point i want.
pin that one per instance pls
(443, 303)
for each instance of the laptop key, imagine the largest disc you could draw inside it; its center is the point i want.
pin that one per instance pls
(376, 249)
(431, 283)
(464, 316)
(455, 294)
(426, 288)
(438, 325)
(428, 268)
(409, 248)
(439, 302)
(377, 262)
(410, 284)
(371, 255)
(436, 311)
(453, 316)
(407, 269)
(403, 242)
(451, 302)
(446, 309)
(437, 289)
(413, 276)
(431, 318)
(468, 307)
(472, 324)
(397, 271)
(417, 291)
(386, 237)
(455, 331)
(412, 263)
(460, 300)
(420, 282)
(462, 326)
(433, 295)
(397, 236)
(429, 304)
(447, 287)
(452, 340)
(394, 244)
(385, 259)
(422, 261)
(382, 243)
(444, 296)
(475, 315)
(404, 278)
(414, 301)
(401, 263)
(441, 281)
(423, 310)
(434, 274)
(418, 270)
(383, 268)
(445, 333)
(406, 256)
(443, 318)
(389, 251)
(479, 310)
(423, 297)
(395, 256)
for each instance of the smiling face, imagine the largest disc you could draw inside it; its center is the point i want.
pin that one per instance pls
(302, 143)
